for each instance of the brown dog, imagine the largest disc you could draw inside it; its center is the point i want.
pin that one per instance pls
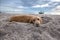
(27, 19)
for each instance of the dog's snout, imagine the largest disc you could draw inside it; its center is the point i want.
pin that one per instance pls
(37, 25)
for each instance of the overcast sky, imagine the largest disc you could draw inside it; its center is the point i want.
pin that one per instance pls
(29, 5)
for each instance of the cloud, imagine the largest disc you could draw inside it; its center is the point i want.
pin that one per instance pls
(11, 3)
(28, 5)
(22, 7)
(10, 9)
(44, 5)
(55, 0)
(56, 9)
(42, 1)
(49, 4)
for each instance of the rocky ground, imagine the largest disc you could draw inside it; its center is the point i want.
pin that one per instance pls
(49, 30)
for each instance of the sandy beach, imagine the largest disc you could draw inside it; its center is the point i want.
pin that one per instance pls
(49, 30)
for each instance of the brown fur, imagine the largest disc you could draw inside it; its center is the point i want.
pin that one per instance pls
(27, 19)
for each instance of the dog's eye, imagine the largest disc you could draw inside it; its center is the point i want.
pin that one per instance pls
(38, 19)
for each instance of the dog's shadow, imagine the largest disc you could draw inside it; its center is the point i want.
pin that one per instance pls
(46, 20)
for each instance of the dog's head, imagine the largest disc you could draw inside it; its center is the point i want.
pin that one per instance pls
(36, 20)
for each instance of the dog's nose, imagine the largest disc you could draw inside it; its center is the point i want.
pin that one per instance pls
(37, 25)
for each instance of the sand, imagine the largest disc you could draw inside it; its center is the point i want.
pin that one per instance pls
(49, 30)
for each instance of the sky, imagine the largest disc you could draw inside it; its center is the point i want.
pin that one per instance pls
(29, 6)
